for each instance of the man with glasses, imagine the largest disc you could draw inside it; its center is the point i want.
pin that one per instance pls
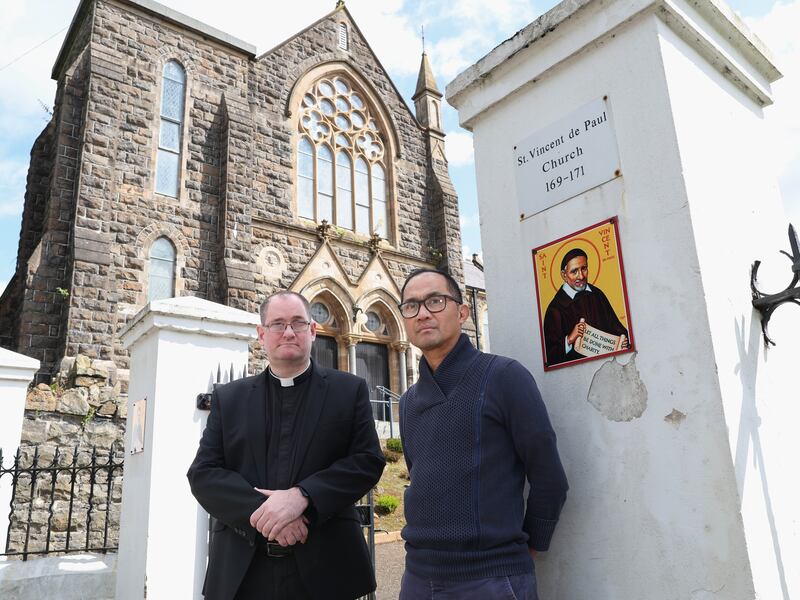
(284, 457)
(474, 428)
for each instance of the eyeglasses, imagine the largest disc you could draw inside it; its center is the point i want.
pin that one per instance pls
(297, 326)
(434, 304)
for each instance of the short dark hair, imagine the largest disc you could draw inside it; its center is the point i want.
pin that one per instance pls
(263, 310)
(452, 284)
(574, 253)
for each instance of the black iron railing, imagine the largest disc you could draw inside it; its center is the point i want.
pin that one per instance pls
(366, 511)
(383, 408)
(64, 503)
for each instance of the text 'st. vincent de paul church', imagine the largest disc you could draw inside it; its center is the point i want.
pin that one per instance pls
(179, 162)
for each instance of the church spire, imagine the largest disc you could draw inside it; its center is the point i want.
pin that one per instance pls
(427, 97)
(426, 82)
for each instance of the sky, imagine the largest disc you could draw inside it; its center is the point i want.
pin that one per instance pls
(457, 34)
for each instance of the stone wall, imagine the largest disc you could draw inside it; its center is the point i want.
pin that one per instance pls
(83, 411)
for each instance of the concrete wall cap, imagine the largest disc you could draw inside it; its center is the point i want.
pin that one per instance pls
(20, 362)
(179, 313)
(715, 12)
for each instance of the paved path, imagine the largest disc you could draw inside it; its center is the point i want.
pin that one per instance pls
(390, 559)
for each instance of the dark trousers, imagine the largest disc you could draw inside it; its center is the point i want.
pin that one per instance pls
(512, 587)
(272, 579)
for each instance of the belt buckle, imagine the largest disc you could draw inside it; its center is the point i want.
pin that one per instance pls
(279, 551)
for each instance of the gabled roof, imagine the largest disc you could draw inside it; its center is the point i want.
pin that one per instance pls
(343, 8)
(473, 276)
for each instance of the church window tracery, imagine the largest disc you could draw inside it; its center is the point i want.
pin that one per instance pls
(342, 169)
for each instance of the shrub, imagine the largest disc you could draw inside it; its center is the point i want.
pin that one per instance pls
(386, 504)
(391, 456)
(395, 444)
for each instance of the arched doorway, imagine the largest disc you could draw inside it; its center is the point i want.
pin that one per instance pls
(372, 363)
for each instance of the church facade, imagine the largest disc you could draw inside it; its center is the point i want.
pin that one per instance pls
(179, 162)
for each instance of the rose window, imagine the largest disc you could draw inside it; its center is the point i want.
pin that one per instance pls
(342, 175)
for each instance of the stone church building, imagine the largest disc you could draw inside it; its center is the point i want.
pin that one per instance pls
(179, 162)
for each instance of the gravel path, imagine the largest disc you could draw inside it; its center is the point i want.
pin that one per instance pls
(390, 560)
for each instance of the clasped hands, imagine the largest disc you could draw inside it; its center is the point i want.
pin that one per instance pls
(280, 517)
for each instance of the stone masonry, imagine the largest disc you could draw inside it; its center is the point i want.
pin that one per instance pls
(81, 412)
(91, 211)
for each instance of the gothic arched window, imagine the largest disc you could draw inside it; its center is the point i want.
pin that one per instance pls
(161, 273)
(341, 164)
(168, 162)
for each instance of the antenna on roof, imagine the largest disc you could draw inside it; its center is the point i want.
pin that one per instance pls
(423, 38)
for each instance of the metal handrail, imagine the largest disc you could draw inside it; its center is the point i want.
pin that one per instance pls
(388, 399)
(387, 392)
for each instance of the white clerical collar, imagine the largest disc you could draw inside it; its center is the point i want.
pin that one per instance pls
(570, 292)
(289, 381)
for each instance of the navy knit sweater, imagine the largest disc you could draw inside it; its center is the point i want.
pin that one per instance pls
(472, 432)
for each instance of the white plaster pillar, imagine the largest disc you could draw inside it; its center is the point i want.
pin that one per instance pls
(16, 373)
(694, 494)
(176, 347)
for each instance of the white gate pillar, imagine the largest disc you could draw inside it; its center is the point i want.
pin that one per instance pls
(691, 493)
(16, 372)
(176, 347)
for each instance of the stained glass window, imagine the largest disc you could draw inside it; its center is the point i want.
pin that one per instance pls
(161, 279)
(173, 88)
(351, 191)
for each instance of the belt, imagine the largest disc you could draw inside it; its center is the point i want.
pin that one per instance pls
(273, 550)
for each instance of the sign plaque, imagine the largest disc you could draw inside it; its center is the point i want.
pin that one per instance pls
(138, 420)
(566, 158)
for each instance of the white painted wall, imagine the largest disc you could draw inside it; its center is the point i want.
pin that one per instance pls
(738, 217)
(654, 508)
(176, 347)
(16, 373)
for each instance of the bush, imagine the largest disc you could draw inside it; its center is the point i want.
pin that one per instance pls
(391, 456)
(394, 444)
(386, 504)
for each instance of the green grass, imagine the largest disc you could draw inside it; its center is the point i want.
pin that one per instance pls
(393, 482)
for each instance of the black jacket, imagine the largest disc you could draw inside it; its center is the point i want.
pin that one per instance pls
(339, 459)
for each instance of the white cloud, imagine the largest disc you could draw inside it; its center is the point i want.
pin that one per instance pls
(3, 284)
(458, 146)
(505, 15)
(778, 29)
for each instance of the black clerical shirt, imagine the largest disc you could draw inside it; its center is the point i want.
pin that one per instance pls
(285, 409)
